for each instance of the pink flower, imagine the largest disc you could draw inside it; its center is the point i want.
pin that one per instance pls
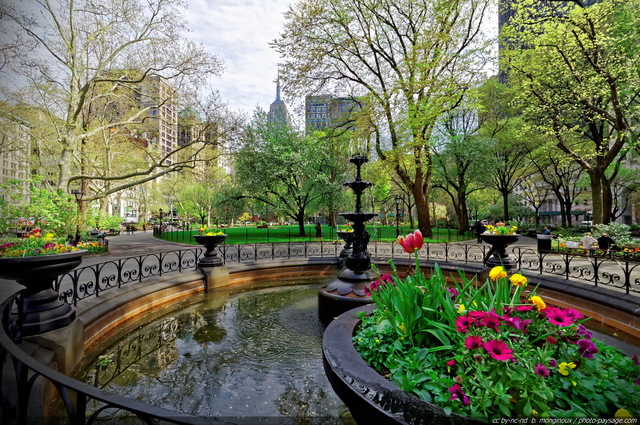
(412, 242)
(587, 348)
(635, 360)
(492, 321)
(458, 394)
(541, 370)
(451, 362)
(553, 363)
(473, 342)
(517, 323)
(558, 316)
(463, 323)
(574, 314)
(498, 350)
(528, 307)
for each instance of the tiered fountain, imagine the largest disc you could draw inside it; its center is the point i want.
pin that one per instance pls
(347, 291)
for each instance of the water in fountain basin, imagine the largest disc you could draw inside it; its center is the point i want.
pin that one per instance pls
(235, 354)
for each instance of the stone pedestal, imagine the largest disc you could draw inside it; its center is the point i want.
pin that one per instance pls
(215, 277)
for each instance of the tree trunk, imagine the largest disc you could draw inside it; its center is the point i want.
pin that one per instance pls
(505, 206)
(461, 212)
(596, 196)
(422, 209)
(300, 219)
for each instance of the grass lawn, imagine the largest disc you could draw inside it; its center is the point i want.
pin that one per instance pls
(275, 234)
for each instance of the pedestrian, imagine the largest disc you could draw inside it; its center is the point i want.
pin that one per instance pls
(318, 231)
(479, 230)
(546, 231)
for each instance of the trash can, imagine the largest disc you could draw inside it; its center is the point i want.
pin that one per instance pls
(544, 243)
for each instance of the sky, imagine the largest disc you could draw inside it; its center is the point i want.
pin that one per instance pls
(239, 32)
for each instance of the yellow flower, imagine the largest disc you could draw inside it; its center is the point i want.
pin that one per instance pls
(48, 236)
(622, 414)
(497, 273)
(518, 280)
(537, 301)
(563, 368)
(402, 328)
(461, 309)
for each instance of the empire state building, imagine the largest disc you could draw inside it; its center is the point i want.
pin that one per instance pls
(278, 112)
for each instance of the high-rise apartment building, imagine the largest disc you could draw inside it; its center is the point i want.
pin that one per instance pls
(326, 111)
(157, 94)
(15, 149)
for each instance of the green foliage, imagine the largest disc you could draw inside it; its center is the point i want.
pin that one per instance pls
(283, 169)
(50, 209)
(619, 232)
(488, 351)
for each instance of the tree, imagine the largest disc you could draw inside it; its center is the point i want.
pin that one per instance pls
(97, 71)
(408, 61)
(561, 175)
(279, 167)
(198, 200)
(501, 124)
(460, 160)
(575, 69)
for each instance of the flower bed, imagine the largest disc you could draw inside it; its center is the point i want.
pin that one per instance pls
(34, 244)
(493, 350)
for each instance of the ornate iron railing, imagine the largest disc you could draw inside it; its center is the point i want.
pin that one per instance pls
(88, 281)
(619, 274)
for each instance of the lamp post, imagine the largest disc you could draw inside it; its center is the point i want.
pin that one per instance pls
(77, 193)
(397, 215)
(160, 215)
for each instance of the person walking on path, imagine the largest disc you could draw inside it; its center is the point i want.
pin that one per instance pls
(318, 231)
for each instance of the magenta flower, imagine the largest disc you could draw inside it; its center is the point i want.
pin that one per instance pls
(558, 316)
(587, 348)
(453, 292)
(478, 314)
(574, 314)
(451, 362)
(638, 381)
(553, 363)
(584, 332)
(541, 370)
(517, 323)
(498, 350)
(528, 307)
(458, 394)
(635, 360)
(473, 342)
(463, 323)
(492, 321)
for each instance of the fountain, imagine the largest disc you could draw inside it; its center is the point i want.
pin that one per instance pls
(347, 290)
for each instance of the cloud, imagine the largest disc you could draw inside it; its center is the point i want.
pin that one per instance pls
(239, 32)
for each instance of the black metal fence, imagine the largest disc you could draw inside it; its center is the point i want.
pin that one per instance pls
(92, 280)
(19, 375)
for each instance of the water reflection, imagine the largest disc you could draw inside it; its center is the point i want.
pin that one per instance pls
(235, 354)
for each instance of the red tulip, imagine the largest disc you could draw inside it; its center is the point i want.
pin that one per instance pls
(412, 242)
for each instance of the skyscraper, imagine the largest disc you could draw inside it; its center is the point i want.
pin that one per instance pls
(278, 112)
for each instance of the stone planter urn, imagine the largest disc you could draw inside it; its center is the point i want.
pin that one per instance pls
(370, 397)
(210, 257)
(39, 308)
(211, 266)
(498, 255)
